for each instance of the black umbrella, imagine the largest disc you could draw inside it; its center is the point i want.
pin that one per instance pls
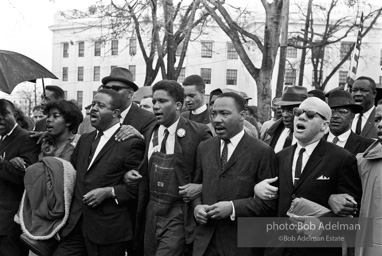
(16, 68)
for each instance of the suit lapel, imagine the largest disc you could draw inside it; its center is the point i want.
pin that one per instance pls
(238, 153)
(10, 138)
(369, 124)
(288, 164)
(352, 143)
(130, 115)
(314, 160)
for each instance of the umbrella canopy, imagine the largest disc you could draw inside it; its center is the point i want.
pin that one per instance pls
(16, 68)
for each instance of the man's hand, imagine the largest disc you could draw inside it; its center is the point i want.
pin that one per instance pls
(309, 225)
(266, 191)
(343, 205)
(18, 163)
(126, 132)
(96, 196)
(200, 213)
(220, 210)
(131, 176)
(190, 191)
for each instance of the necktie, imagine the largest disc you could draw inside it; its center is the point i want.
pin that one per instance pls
(94, 145)
(359, 125)
(163, 145)
(297, 171)
(335, 140)
(224, 157)
(288, 139)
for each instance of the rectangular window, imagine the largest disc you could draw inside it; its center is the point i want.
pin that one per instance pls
(343, 77)
(80, 75)
(65, 74)
(290, 77)
(80, 96)
(97, 73)
(205, 73)
(345, 47)
(231, 51)
(112, 67)
(291, 51)
(97, 48)
(65, 52)
(207, 49)
(133, 46)
(231, 76)
(182, 75)
(132, 69)
(114, 47)
(81, 49)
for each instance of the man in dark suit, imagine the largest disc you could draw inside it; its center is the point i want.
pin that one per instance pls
(135, 120)
(167, 172)
(314, 169)
(52, 92)
(229, 165)
(15, 142)
(280, 134)
(194, 90)
(102, 211)
(364, 91)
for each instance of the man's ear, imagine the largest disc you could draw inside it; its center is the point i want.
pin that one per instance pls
(178, 106)
(117, 113)
(242, 115)
(16, 115)
(324, 126)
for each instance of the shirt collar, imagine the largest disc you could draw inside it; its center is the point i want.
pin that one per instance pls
(342, 137)
(367, 113)
(109, 132)
(9, 133)
(236, 139)
(171, 129)
(199, 110)
(124, 113)
(308, 149)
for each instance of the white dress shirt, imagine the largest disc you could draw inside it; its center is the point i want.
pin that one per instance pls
(170, 142)
(199, 110)
(365, 116)
(124, 113)
(305, 156)
(280, 142)
(342, 139)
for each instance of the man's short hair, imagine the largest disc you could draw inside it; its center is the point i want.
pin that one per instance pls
(58, 93)
(116, 98)
(372, 82)
(217, 91)
(195, 80)
(37, 108)
(239, 101)
(174, 89)
(5, 102)
(68, 110)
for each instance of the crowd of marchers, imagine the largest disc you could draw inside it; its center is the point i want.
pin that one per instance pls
(172, 174)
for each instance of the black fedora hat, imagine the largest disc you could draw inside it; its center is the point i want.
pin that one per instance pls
(293, 95)
(122, 75)
(343, 99)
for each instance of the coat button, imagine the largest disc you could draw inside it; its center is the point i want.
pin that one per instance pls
(293, 196)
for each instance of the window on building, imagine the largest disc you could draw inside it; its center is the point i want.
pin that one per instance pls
(290, 77)
(133, 46)
(114, 47)
(66, 94)
(182, 75)
(291, 51)
(132, 69)
(80, 96)
(231, 76)
(80, 74)
(207, 49)
(343, 76)
(97, 73)
(65, 52)
(65, 74)
(97, 48)
(231, 51)
(205, 73)
(345, 47)
(179, 49)
(81, 49)
(112, 67)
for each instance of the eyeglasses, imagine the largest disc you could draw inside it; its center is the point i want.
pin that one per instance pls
(340, 111)
(310, 114)
(113, 87)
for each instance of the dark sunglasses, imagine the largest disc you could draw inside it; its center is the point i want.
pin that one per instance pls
(113, 87)
(310, 114)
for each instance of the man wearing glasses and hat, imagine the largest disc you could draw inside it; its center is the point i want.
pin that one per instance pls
(137, 120)
(280, 134)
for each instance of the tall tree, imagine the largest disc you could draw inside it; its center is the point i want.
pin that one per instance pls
(159, 26)
(268, 45)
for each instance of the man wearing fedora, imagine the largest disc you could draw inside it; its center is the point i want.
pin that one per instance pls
(137, 120)
(280, 134)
